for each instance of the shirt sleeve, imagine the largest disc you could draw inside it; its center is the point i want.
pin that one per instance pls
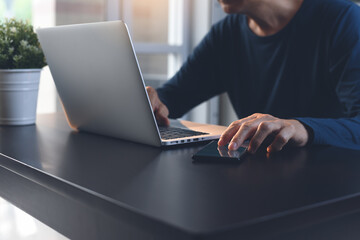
(196, 81)
(344, 70)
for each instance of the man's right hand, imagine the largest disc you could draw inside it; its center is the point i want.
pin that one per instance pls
(161, 112)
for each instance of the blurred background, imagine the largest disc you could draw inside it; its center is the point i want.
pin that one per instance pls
(164, 34)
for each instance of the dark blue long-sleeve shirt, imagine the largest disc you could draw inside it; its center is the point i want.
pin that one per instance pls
(310, 71)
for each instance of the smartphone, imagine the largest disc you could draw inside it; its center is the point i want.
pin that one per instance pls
(219, 154)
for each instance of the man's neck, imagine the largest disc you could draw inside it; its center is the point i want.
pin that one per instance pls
(270, 16)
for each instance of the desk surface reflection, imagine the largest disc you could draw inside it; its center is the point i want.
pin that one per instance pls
(165, 186)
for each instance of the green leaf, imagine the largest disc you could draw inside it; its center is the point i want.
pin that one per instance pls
(19, 46)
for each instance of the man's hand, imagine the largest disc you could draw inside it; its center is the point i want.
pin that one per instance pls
(161, 112)
(258, 126)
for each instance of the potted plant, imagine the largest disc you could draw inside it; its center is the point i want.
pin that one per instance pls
(21, 61)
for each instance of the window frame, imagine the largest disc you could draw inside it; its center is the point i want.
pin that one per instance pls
(180, 48)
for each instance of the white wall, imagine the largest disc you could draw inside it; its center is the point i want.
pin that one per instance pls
(43, 15)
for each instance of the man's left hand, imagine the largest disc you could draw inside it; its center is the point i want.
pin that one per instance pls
(258, 127)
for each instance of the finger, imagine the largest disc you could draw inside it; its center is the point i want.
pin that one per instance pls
(281, 139)
(229, 133)
(153, 105)
(162, 115)
(162, 121)
(263, 131)
(245, 131)
(154, 100)
(163, 110)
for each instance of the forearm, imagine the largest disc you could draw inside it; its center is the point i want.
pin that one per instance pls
(342, 132)
(176, 99)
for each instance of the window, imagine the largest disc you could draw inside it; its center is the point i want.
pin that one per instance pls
(159, 30)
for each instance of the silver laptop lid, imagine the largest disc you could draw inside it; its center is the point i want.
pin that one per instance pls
(99, 81)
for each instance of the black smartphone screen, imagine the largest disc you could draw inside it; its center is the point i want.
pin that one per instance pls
(214, 153)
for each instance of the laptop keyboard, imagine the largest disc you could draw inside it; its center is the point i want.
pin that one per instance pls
(172, 132)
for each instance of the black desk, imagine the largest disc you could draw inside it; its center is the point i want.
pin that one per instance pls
(92, 187)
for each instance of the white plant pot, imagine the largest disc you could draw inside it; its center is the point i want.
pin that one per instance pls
(18, 96)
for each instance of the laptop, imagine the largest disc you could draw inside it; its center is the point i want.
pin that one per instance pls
(101, 88)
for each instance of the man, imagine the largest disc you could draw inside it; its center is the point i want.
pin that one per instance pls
(290, 67)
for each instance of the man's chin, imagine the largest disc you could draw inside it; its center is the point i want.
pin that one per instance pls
(228, 9)
(230, 6)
